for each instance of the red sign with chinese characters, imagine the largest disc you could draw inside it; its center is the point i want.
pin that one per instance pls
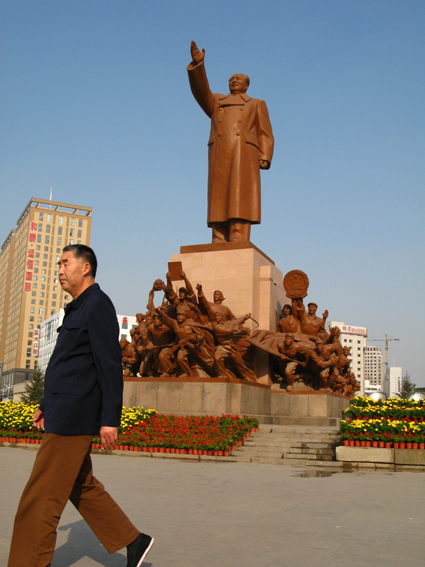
(35, 342)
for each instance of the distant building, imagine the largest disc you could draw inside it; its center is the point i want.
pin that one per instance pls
(354, 338)
(373, 368)
(396, 381)
(29, 285)
(49, 334)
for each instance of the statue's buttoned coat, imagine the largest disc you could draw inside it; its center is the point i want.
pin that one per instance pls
(241, 135)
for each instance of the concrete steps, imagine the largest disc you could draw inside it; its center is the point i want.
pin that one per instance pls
(290, 445)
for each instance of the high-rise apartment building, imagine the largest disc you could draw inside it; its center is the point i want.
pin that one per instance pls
(354, 337)
(396, 381)
(373, 361)
(29, 285)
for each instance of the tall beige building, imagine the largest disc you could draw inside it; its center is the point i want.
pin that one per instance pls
(29, 286)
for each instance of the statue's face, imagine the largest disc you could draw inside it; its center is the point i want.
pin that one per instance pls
(218, 296)
(288, 341)
(312, 309)
(218, 317)
(123, 343)
(286, 310)
(157, 321)
(238, 84)
(319, 347)
(181, 318)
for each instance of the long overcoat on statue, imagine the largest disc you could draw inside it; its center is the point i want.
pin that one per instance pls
(241, 135)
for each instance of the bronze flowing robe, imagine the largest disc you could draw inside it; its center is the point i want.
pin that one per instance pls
(241, 135)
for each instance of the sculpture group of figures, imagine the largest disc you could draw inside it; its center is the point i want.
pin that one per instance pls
(189, 336)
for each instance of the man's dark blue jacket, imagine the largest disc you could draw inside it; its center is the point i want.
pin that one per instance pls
(84, 383)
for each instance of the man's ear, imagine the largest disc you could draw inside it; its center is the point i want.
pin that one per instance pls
(86, 269)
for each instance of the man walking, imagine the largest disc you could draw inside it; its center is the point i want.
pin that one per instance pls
(82, 398)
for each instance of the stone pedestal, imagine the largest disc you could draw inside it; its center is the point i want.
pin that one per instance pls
(217, 396)
(249, 280)
(199, 396)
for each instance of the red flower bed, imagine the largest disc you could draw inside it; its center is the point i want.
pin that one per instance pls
(190, 433)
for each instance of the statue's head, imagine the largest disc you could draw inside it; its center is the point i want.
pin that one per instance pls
(218, 296)
(124, 343)
(238, 83)
(181, 318)
(319, 345)
(287, 310)
(312, 308)
(140, 317)
(218, 316)
(182, 293)
(289, 339)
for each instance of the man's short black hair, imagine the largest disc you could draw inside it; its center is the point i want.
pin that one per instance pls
(84, 252)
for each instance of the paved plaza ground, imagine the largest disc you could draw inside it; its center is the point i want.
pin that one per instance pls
(239, 514)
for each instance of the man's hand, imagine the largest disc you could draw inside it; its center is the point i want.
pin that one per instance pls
(197, 56)
(264, 164)
(109, 437)
(38, 419)
(325, 314)
(199, 289)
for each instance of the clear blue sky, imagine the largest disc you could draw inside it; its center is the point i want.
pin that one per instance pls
(95, 100)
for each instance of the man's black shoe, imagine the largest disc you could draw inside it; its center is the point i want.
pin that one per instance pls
(140, 548)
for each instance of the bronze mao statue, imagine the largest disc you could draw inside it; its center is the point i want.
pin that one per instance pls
(240, 144)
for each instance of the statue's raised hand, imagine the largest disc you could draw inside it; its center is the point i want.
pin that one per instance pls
(197, 56)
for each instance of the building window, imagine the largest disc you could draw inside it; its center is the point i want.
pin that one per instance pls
(40, 216)
(52, 312)
(44, 272)
(41, 301)
(71, 232)
(40, 311)
(58, 250)
(38, 247)
(54, 296)
(43, 278)
(28, 352)
(31, 318)
(29, 343)
(32, 301)
(80, 223)
(80, 234)
(42, 286)
(46, 248)
(40, 319)
(34, 278)
(71, 241)
(72, 222)
(60, 222)
(48, 228)
(30, 326)
(56, 272)
(40, 227)
(39, 238)
(46, 239)
(33, 293)
(35, 270)
(124, 326)
(55, 288)
(53, 303)
(45, 263)
(28, 364)
(34, 286)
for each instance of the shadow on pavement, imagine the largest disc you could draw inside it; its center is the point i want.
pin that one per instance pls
(82, 543)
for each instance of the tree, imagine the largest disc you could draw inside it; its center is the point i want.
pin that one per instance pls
(34, 389)
(408, 388)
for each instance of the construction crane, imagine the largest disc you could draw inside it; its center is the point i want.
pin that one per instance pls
(387, 372)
